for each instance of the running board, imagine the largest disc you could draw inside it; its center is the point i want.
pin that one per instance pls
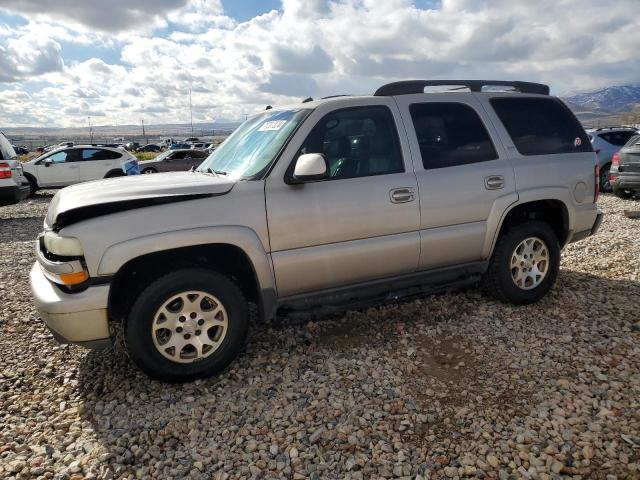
(381, 292)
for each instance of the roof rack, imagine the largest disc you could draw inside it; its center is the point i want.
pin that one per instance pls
(407, 87)
(614, 127)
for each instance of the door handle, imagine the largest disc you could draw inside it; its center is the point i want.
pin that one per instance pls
(494, 182)
(402, 195)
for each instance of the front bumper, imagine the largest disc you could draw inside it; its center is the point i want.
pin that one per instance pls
(79, 318)
(13, 194)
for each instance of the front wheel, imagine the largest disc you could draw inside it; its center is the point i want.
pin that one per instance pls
(186, 325)
(524, 265)
(149, 171)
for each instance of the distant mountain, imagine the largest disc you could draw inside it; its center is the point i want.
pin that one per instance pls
(605, 101)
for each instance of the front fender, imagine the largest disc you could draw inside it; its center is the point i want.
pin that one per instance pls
(244, 238)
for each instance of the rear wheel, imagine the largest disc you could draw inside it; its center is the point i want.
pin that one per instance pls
(186, 325)
(605, 184)
(149, 170)
(114, 173)
(524, 265)
(621, 193)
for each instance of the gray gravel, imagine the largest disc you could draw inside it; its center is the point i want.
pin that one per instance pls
(451, 386)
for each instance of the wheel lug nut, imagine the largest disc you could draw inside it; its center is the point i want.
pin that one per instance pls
(198, 332)
(187, 336)
(182, 319)
(193, 315)
(179, 329)
(201, 322)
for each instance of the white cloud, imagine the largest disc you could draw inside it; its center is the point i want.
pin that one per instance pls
(308, 47)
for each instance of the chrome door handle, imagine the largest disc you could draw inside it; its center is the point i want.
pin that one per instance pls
(402, 195)
(494, 182)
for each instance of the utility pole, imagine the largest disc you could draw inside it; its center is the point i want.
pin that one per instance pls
(191, 111)
(143, 134)
(90, 130)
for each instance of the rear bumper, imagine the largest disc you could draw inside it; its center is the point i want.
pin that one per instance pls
(13, 194)
(591, 231)
(625, 181)
(79, 318)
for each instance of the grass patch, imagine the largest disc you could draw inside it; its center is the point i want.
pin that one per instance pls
(142, 156)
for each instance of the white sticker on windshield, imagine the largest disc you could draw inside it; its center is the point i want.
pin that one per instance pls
(272, 125)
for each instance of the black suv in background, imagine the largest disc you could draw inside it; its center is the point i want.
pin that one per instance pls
(624, 175)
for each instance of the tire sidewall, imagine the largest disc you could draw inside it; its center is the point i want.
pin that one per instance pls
(138, 325)
(511, 241)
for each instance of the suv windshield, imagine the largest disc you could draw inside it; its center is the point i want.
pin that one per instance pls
(249, 151)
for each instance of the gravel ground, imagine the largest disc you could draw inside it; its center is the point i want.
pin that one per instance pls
(449, 386)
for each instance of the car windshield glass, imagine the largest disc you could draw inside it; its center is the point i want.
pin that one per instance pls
(635, 140)
(251, 148)
(164, 154)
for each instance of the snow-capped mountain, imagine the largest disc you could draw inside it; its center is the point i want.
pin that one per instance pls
(607, 100)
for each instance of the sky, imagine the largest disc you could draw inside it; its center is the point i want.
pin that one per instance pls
(121, 61)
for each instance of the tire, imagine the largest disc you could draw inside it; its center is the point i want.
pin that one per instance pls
(114, 174)
(498, 281)
(149, 170)
(33, 186)
(605, 184)
(624, 194)
(144, 319)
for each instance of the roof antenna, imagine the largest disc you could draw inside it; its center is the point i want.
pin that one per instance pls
(269, 107)
(308, 99)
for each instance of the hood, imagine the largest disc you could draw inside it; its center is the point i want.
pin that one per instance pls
(103, 197)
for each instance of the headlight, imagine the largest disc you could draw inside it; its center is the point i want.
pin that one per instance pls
(62, 246)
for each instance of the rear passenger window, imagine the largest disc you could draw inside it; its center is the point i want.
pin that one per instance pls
(541, 126)
(357, 142)
(618, 139)
(99, 154)
(450, 134)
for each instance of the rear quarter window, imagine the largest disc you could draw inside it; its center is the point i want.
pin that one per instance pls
(541, 126)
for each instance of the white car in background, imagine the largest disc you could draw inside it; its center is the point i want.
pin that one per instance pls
(76, 164)
(13, 185)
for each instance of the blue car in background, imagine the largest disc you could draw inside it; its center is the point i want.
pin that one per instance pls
(179, 146)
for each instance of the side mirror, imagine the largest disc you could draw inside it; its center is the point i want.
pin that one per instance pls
(47, 162)
(309, 167)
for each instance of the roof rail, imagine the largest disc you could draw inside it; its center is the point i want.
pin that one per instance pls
(407, 87)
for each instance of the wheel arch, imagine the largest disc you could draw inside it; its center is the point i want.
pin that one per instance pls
(239, 256)
(114, 172)
(31, 177)
(553, 211)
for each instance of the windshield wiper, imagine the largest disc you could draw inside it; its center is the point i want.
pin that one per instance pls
(217, 172)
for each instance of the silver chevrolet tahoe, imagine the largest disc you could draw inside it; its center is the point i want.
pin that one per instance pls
(329, 204)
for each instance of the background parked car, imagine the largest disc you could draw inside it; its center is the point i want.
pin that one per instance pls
(198, 146)
(77, 164)
(131, 146)
(180, 146)
(13, 185)
(606, 141)
(20, 149)
(625, 169)
(150, 147)
(173, 160)
(191, 140)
